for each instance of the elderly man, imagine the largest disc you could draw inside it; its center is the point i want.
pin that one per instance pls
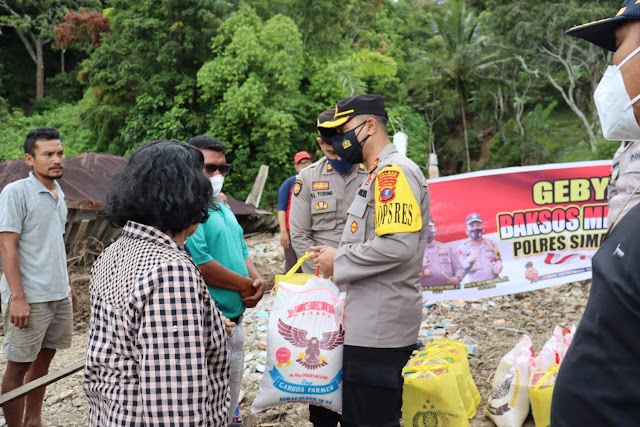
(378, 263)
(598, 380)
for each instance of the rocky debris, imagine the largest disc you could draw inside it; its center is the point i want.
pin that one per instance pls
(489, 328)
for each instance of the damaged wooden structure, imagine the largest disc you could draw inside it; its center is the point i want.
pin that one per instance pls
(85, 183)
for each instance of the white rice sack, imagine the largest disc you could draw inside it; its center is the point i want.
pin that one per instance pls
(508, 404)
(304, 348)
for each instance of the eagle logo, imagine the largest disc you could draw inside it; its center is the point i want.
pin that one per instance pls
(311, 358)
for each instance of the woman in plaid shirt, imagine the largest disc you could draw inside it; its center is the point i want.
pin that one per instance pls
(156, 353)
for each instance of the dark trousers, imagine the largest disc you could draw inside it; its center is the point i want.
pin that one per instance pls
(323, 417)
(372, 386)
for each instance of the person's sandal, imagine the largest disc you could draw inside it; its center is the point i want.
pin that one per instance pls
(236, 421)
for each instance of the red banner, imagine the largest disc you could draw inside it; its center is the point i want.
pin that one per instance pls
(512, 230)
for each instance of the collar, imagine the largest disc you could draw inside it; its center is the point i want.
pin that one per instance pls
(388, 150)
(40, 186)
(135, 230)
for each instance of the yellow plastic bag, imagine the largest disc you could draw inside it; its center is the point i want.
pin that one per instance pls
(291, 276)
(459, 354)
(430, 397)
(461, 378)
(541, 384)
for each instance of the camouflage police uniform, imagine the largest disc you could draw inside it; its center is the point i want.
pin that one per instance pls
(319, 206)
(625, 177)
(440, 265)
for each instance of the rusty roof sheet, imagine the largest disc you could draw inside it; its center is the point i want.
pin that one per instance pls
(87, 178)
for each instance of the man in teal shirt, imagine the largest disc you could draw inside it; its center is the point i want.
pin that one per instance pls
(219, 250)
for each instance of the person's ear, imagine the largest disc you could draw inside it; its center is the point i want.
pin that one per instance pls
(28, 159)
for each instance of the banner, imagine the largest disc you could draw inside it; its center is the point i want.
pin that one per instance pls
(512, 230)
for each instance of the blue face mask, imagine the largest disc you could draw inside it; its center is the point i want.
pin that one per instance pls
(341, 166)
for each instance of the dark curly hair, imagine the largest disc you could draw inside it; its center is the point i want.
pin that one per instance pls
(162, 186)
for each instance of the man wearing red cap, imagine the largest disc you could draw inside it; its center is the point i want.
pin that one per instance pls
(301, 160)
(597, 384)
(378, 263)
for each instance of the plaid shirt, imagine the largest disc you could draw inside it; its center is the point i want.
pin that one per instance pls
(157, 344)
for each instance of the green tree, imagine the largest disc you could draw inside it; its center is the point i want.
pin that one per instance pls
(466, 60)
(143, 76)
(34, 21)
(253, 89)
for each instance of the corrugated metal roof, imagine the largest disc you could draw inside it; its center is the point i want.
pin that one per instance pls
(87, 178)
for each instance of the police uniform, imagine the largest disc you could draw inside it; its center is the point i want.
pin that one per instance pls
(625, 177)
(439, 265)
(488, 258)
(319, 206)
(380, 255)
(378, 264)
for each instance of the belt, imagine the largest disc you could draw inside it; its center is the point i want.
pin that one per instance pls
(237, 320)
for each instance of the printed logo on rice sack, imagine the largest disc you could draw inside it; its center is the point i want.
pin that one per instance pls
(312, 357)
(283, 354)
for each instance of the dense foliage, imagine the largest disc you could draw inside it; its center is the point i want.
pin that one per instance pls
(482, 83)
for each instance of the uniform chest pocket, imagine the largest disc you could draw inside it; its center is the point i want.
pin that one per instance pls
(323, 213)
(444, 257)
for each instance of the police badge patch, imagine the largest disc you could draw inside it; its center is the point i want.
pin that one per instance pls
(297, 187)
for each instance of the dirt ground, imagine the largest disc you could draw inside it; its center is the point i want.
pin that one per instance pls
(495, 324)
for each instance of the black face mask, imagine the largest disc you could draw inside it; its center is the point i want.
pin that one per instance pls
(348, 147)
(476, 234)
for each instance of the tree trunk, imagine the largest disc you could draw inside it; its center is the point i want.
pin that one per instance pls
(464, 128)
(62, 60)
(39, 70)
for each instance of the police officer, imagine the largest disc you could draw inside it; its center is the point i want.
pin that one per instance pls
(378, 263)
(598, 379)
(440, 266)
(617, 99)
(321, 198)
(479, 257)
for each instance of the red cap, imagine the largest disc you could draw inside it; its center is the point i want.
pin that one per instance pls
(301, 155)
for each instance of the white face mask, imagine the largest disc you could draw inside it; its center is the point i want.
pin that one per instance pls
(217, 181)
(615, 107)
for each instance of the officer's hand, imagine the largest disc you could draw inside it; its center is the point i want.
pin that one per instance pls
(285, 240)
(259, 285)
(19, 312)
(322, 256)
(455, 280)
(496, 267)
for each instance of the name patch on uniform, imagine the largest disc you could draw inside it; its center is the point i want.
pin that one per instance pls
(396, 208)
(320, 185)
(320, 206)
(322, 193)
(297, 187)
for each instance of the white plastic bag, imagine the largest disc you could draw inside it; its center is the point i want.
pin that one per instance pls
(508, 404)
(552, 351)
(304, 348)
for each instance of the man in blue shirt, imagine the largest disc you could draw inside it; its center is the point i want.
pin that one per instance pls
(219, 250)
(301, 160)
